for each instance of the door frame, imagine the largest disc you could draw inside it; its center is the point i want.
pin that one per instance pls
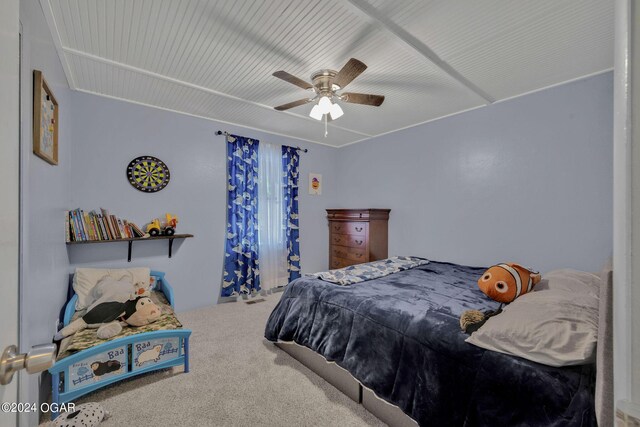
(10, 191)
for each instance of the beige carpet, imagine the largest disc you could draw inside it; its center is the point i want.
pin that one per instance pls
(237, 378)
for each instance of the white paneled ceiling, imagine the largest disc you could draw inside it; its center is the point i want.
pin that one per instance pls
(430, 59)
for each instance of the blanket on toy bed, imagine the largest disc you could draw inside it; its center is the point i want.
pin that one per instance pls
(88, 338)
(400, 336)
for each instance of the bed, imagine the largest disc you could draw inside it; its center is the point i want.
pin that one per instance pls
(86, 363)
(398, 338)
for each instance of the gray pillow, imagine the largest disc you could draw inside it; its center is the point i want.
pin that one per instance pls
(556, 327)
(569, 280)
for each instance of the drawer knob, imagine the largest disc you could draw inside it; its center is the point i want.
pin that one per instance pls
(359, 242)
(358, 255)
(358, 229)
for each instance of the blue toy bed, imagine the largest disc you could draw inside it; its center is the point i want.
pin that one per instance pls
(124, 357)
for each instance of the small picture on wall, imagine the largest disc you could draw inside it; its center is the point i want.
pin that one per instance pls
(315, 184)
(45, 120)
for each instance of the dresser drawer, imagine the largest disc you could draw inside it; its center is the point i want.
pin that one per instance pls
(352, 241)
(357, 236)
(353, 254)
(339, 263)
(359, 228)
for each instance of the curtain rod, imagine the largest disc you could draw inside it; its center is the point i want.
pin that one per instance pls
(220, 132)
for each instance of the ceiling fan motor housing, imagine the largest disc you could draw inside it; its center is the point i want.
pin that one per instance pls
(323, 82)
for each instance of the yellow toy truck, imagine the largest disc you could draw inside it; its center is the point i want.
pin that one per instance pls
(166, 228)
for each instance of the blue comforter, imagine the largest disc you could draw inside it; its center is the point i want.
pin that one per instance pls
(399, 335)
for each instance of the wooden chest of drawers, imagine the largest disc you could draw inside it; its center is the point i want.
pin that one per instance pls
(357, 236)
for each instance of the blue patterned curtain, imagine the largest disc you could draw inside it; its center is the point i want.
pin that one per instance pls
(241, 270)
(290, 164)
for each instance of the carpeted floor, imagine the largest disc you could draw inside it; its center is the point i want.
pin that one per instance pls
(237, 379)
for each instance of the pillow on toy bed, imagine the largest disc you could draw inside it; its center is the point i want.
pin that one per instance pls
(116, 290)
(85, 279)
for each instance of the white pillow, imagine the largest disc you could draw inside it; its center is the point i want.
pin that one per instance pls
(552, 327)
(85, 279)
(569, 280)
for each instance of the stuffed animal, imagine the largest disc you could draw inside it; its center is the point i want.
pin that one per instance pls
(506, 282)
(471, 320)
(109, 317)
(84, 415)
(502, 283)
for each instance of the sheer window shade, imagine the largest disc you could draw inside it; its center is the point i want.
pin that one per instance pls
(271, 218)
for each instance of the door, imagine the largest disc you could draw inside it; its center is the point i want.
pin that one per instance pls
(9, 190)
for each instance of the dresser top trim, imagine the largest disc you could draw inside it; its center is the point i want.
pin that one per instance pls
(357, 214)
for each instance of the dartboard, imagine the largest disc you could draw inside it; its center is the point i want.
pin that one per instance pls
(148, 174)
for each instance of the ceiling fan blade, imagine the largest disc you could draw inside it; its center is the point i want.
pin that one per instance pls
(292, 104)
(363, 98)
(292, 79)
(350, 71)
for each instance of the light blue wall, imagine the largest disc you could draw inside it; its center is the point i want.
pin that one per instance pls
(526, 180)
(44, 197)
(107, 134)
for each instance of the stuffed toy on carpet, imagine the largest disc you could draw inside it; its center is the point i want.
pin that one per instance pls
(84, 415)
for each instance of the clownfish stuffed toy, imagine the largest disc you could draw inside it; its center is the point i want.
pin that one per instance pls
(506, 282)
(503, 283)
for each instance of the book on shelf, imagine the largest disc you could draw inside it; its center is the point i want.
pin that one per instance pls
(76, 223)
(86, 221)
(123, 232)
(67, 227)
(81, 226)
(114, 225)
(136, 230)
(108, 226)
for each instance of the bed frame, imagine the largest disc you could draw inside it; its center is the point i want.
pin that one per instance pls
(73, 376)
(341, 379)
(392, 415)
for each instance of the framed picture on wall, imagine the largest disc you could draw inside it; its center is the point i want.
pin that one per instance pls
(45, 120)
(315, 184)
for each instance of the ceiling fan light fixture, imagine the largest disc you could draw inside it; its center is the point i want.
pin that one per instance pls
(316, 113)
(335, 111)
(325, 105)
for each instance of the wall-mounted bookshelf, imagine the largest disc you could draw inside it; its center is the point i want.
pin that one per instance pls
(130, 241)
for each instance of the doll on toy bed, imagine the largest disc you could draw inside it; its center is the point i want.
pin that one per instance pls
(116, 304)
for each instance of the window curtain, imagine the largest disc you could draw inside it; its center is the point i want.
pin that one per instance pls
(271, 217)
(241, 266)
(290, 165)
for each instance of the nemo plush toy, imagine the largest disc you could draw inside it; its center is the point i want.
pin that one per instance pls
(506, 282)
(503, 283)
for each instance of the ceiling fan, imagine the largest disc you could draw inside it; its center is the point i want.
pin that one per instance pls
(326, 84)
